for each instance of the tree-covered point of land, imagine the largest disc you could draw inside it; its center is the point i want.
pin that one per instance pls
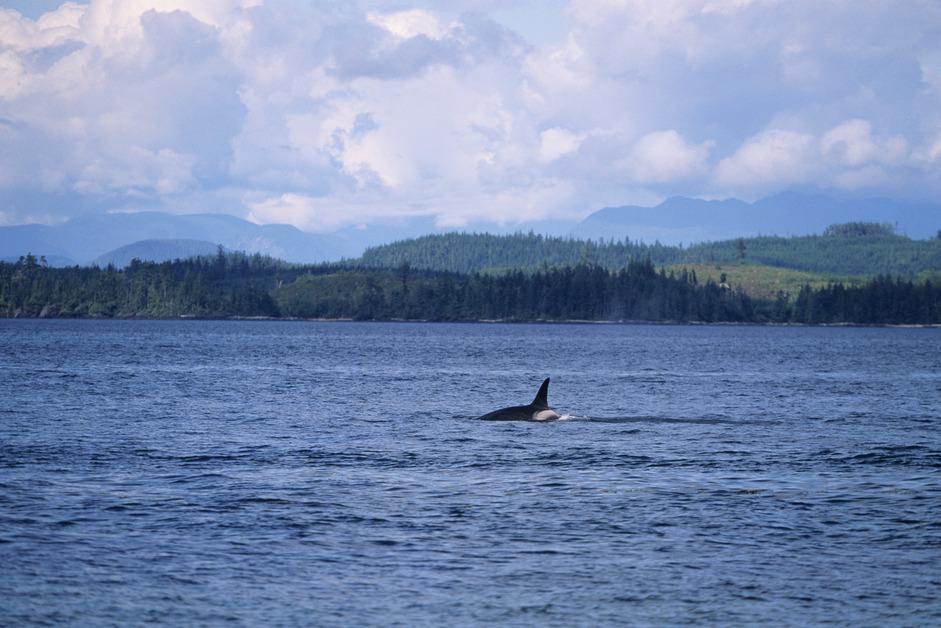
(222, 285)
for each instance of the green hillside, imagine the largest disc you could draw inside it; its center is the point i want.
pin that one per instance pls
(832, 254)
(763, 282)
(485, 252)
(840, 252)
(155, 251)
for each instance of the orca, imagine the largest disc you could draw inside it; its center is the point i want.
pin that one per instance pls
(538, 410)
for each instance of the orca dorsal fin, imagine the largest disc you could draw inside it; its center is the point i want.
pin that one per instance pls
(542, 397)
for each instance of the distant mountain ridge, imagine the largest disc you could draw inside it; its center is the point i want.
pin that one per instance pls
(676, 220)
(82, 240)
(155, 251)
(693, 220)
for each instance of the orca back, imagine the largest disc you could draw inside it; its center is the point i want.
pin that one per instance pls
(538, 410)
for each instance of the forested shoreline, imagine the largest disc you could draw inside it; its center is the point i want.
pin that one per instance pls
(238, 285)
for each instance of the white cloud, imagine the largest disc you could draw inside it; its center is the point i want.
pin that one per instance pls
(558, 69)
(13, 77)
(664, 156)
(934, 150)
(557, 142)
(292, 209)
(450, 208)
(325, 114)
(852, 144)
(865, 177)
(773, 157)
(136, 168)
(117, 23)
(407, 24)
(848, 155)
(21, 34)
(104, 116)
(68, 16)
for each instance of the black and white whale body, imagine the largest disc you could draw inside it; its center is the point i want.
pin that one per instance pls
(538, 410)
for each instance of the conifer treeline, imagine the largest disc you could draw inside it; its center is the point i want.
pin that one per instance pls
(848, 249)
(583, 292)
(239, 285)
(220, 286)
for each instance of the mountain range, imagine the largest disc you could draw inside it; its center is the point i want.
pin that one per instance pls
(83, 240)
(118, 237)
(692, 220)
(155, 251)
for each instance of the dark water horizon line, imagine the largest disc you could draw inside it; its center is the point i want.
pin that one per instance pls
(483, 321)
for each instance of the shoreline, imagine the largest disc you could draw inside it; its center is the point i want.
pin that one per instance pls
(188, 317)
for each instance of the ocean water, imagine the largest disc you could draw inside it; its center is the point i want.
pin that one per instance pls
(296, 473)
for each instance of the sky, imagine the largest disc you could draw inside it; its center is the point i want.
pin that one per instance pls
(329, 114)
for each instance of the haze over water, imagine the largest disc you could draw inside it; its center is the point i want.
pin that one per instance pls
(333, 473)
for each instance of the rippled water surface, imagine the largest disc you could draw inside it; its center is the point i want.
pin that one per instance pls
(333, 474)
